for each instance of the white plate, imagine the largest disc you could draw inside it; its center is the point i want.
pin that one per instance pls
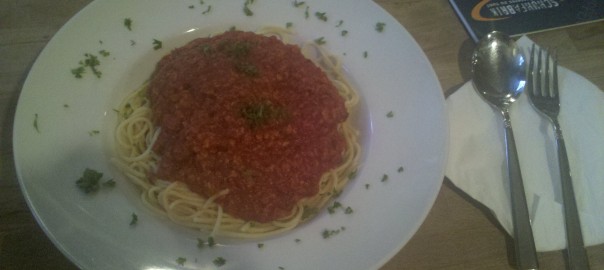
(93, 230)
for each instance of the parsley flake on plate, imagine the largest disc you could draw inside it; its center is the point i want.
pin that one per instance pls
(380, 27)
(128, 23)
(134, 219)
(219, 261)
(157, 44)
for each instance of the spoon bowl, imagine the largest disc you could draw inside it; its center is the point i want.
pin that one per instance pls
(499, 76)
(498, 69)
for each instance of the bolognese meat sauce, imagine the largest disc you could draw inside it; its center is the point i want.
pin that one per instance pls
(247, 113)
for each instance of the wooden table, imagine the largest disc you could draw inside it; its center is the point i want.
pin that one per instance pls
(457, 234)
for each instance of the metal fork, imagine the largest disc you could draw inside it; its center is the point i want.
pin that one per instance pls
(546, 100)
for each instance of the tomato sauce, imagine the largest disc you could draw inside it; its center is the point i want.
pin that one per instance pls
(250, 114)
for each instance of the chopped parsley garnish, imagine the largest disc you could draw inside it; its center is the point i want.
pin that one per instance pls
(77, 72)
(298, 4)
(94, 132)
(36, 122)
(298, 240)
(260, 245)
(329, 233)
(191, 7)
(207, 10)
(306, 12)
(400, 169)
(352, 175)
(157, 44)
(320, 41)
(246, 9)
(367, 186)
(91, 61)
(260, 113)
(89, 182)
(348, 210)
(289, 25)
(321, 15)
(384, 178)
(246, 68)
(390, 114)
(332, 209)
(281, 268)
(200, 243)
(365, 54)
(132, 42)
(219, 261)
(128, 23)
(133, 219)
(211, 242)
(340, 22)
(380, 27)
(109, 183)
(65, 105)
(181, 261)
(104, 53)
(344, 33)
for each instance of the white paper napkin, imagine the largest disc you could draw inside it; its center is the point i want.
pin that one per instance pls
(477, 165)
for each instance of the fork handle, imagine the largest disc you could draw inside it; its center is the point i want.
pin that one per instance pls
(576, 254)
(524, 243)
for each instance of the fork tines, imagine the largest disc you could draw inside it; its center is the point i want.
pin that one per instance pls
(545, 98)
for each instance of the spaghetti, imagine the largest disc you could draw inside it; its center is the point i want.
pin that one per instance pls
(141, 149)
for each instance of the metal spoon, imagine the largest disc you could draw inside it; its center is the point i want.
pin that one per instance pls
(499, 75)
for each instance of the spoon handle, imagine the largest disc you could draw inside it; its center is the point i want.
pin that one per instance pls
(524, 244)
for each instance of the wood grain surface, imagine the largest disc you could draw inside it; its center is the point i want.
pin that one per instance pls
(457, 234)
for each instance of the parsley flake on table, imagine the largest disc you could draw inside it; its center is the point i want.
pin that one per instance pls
(365, 54)
(157, 44)
(390, 114)
(400, 169)
(219, 261)
(289, 25)
(348, 210)
(306, 12)
(128, 23)
(340, 22)
(380, 27)
(344, 33)
(384, 178)
(181, 261)
(260, 245)
(94, 132)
